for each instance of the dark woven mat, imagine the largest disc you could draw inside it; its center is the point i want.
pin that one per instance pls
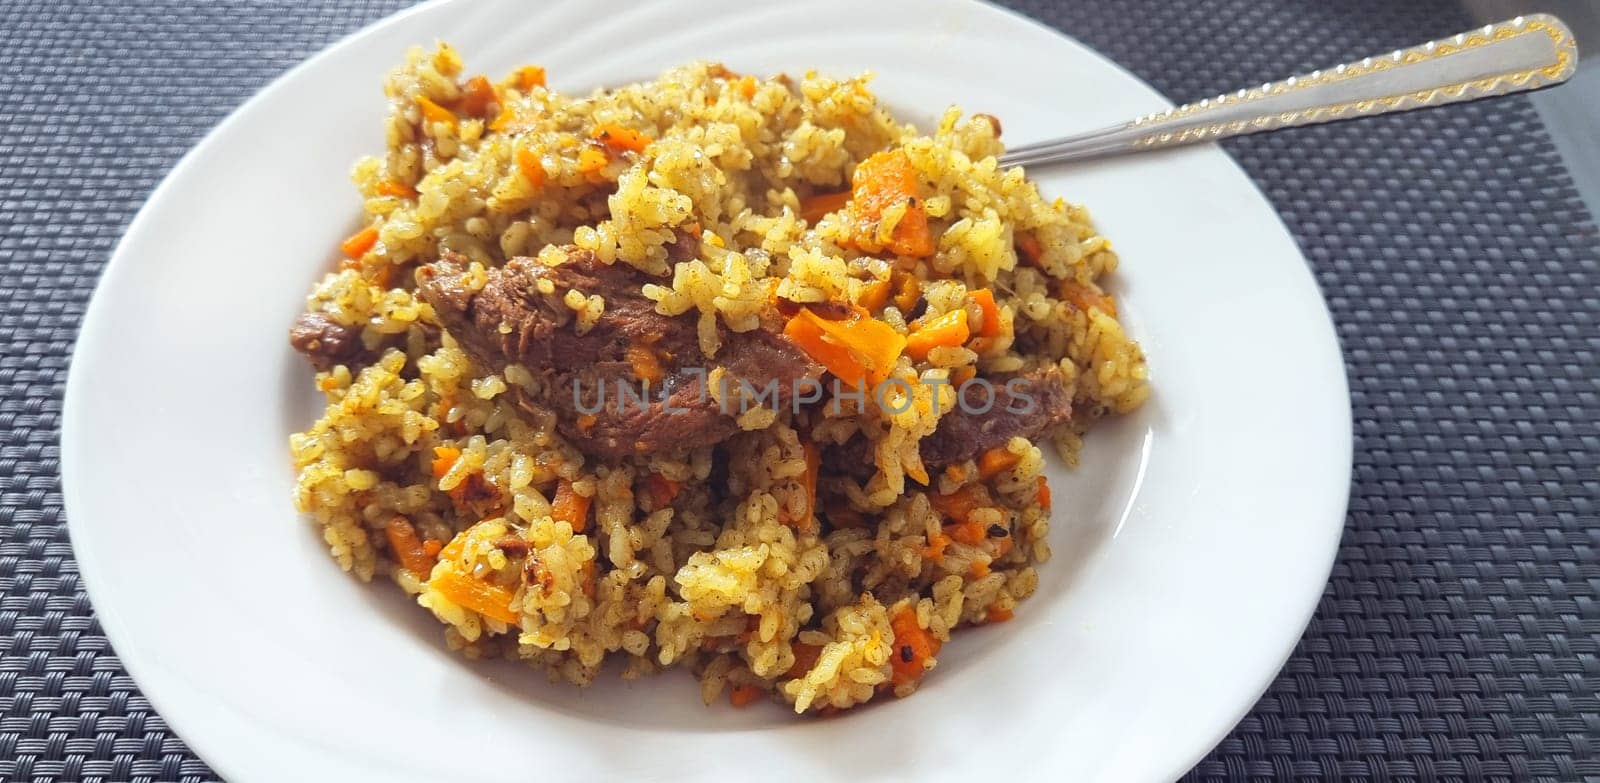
(1457, 639)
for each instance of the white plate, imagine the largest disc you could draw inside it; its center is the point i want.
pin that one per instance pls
(1191, 546)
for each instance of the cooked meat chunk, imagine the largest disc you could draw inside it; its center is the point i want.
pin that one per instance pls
(324, 341)
(1025, 404)
(511, 320)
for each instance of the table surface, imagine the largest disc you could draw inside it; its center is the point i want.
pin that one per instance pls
(1459, 635)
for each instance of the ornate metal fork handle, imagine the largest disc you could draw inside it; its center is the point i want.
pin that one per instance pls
(1525, 53)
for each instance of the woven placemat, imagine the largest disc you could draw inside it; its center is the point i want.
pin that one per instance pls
(1457, 639)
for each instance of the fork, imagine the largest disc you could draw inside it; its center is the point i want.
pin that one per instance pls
(1517, 55)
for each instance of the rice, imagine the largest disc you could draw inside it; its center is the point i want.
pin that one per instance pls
(423, 469)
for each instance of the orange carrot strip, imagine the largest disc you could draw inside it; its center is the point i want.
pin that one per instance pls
(618, 137)
(360, 242)
(570, 507)
(662, 489)
(913, 646)
(433, 112)
(1043, 494)
(432, 547)
(443, 458)
(743, 695)
(528, 164)
(1086, 298)
(1030, 247)
(529, 77)
(407, 549)
(907, 291)
(949, 330)
(856, 349)
(884, 180)
(958, 505)
(747, 86)
(489, 600)
(476, 96)
(996, 460)
(997, 615)
(969, 533)
(396, 189)
(814, 208)
(875, 295)
(991, 312)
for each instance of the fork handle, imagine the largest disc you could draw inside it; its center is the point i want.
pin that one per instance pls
(1524, 53)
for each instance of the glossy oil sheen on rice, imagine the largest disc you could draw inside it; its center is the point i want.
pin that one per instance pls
(747, 563)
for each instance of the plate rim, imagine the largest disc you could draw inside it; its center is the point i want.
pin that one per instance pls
(74, 399)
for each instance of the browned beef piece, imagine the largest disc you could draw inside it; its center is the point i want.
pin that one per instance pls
(1025, 405)
(324, 341)
(964, 433)
(510, 320)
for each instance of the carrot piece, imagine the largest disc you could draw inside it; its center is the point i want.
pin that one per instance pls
(590, 583)
(856, 349)
(949, 330)
(913, 647)
(1030, 247)
(432, 547)
(646, 366)
(477, 95)
(618, 137)
(662, 489)
(996, 460)
(992, 325)
(906, 292)
(936, 545)
(408, 550)
(591, 160)
(884, 180)
(360, 242)
(814, 208)
(747, 86)
(959, 504)
(489, 600)
(433, 112)
(510, 120)
(529, 77)
(570, 507)
(743, 695)
(1043, 493)
(1088, 298)
(979, 569)
(997, 615)
(969, 533)
(396, 189)
(962, 374)
(875, 295)
(528, 164)
(918, 473)
(444, 457)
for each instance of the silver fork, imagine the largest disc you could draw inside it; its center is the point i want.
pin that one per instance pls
(1517, 55)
